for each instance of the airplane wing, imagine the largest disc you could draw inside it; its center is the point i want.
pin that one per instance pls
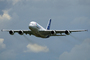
(21, 32)
(63, 31)
(55, 32)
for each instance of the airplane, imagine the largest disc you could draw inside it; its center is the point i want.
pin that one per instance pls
(39, 31)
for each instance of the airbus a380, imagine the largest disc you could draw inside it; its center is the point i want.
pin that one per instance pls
(39, 31)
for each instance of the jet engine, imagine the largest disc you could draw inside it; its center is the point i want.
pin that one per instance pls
(67, 32)
(11, 32)
(20, 32)
(53, 32)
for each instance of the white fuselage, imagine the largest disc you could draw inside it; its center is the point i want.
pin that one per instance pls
(35, 28)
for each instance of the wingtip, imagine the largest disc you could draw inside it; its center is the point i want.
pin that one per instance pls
(2, 30)
(86, 30)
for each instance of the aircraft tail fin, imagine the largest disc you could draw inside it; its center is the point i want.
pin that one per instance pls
(48, 25)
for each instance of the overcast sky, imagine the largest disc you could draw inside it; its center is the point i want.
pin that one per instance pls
(65, 15)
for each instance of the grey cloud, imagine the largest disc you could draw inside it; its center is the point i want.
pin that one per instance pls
(4, 5)
(36, 48)
(79, 52)
(2, 45)
(8, 54)
(5, 18)
(5, 15)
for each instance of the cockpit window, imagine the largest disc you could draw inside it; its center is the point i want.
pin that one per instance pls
(33, 23)
(38, 26)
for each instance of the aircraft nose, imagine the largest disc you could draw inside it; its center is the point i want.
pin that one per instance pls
(30, 25)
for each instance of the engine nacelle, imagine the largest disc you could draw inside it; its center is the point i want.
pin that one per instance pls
(67, 32)
(11, 32)
(53, 32)
(20, 32)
